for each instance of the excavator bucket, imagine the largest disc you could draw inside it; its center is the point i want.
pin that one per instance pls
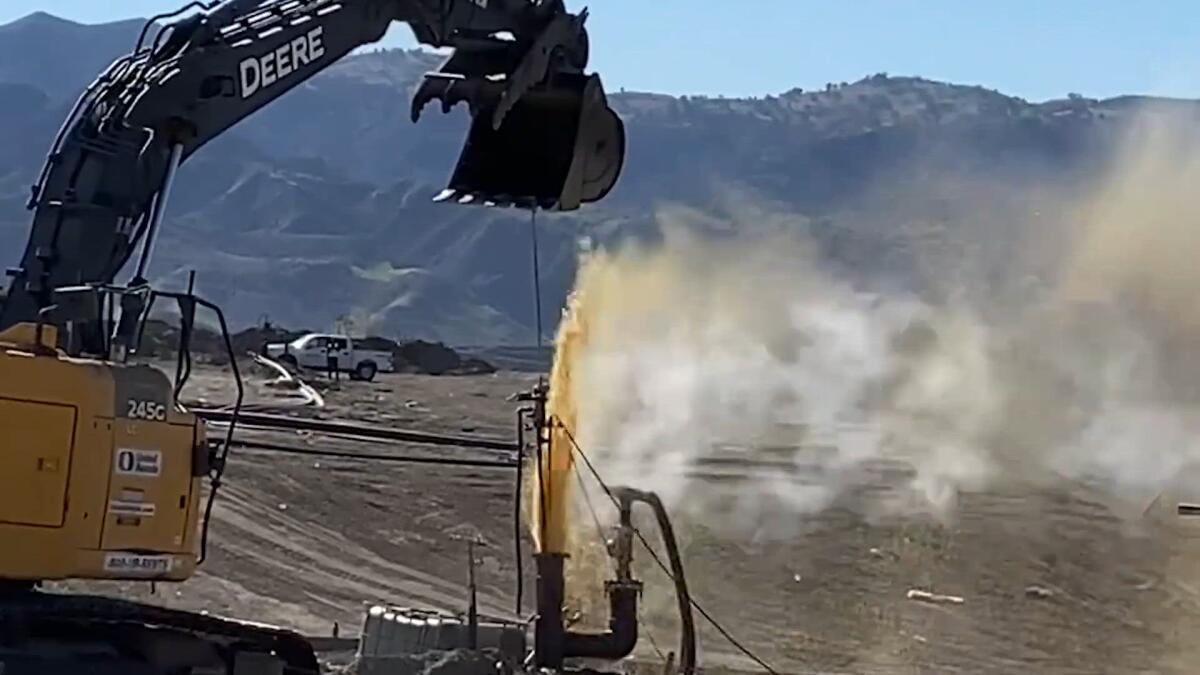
(560, 146)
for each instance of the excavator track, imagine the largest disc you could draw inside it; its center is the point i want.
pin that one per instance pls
(47, 633)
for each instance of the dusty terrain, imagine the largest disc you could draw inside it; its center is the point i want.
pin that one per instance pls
(1051, 581)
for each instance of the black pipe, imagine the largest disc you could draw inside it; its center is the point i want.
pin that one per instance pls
(517, 486)
(361, 430)
(687, 624)
(218, 467)
(553, 643)
(548, 632)
(621, 637)
(374, 457)
(622, 633)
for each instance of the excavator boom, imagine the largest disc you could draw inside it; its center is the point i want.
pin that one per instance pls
(542, 134)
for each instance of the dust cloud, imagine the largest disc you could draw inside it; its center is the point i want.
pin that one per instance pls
(749, 385)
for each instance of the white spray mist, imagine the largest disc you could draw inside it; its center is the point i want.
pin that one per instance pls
(741, 380)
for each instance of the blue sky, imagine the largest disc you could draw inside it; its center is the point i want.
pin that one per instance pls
(1033, 49)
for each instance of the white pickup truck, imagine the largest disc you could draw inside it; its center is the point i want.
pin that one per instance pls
(316, 351)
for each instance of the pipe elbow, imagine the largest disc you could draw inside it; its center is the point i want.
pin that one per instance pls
(622, 635)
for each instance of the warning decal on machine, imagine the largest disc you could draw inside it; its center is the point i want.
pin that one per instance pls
(138, 462)
(121, 507)
(133, 563)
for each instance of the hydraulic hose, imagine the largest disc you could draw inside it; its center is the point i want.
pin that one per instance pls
(687, 624)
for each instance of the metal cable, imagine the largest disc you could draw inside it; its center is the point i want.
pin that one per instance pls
(663, 566)
(588, 500)
(537, 276)
(650, 636)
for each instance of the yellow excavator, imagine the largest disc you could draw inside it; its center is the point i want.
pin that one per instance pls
(102, 470)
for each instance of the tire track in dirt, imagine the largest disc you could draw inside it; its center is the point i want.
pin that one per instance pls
(306, 551)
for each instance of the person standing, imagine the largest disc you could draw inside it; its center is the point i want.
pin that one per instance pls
(331, 360)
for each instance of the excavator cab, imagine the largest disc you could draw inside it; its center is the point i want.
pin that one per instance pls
(558, 147)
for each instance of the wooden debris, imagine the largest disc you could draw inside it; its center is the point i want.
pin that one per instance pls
(936, 598)
(1038, 592)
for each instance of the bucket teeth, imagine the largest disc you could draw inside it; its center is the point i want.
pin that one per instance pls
(450, 195)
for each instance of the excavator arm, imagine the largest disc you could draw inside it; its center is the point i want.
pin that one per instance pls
(542, 135)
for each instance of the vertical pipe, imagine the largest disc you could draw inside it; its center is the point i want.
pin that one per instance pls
(548, 630)
(156, 213)
(473, 607)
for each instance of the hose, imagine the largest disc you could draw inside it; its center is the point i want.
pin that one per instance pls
(687, 623)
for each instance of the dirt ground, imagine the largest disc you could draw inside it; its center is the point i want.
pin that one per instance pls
(1051, 581)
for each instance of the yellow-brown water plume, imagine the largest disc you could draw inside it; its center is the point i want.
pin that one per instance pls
(550, 503)
(552, 485)
(611, 290)
(1141, 236)
(606, 286)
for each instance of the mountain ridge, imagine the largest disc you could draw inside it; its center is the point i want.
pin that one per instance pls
(294, 199)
